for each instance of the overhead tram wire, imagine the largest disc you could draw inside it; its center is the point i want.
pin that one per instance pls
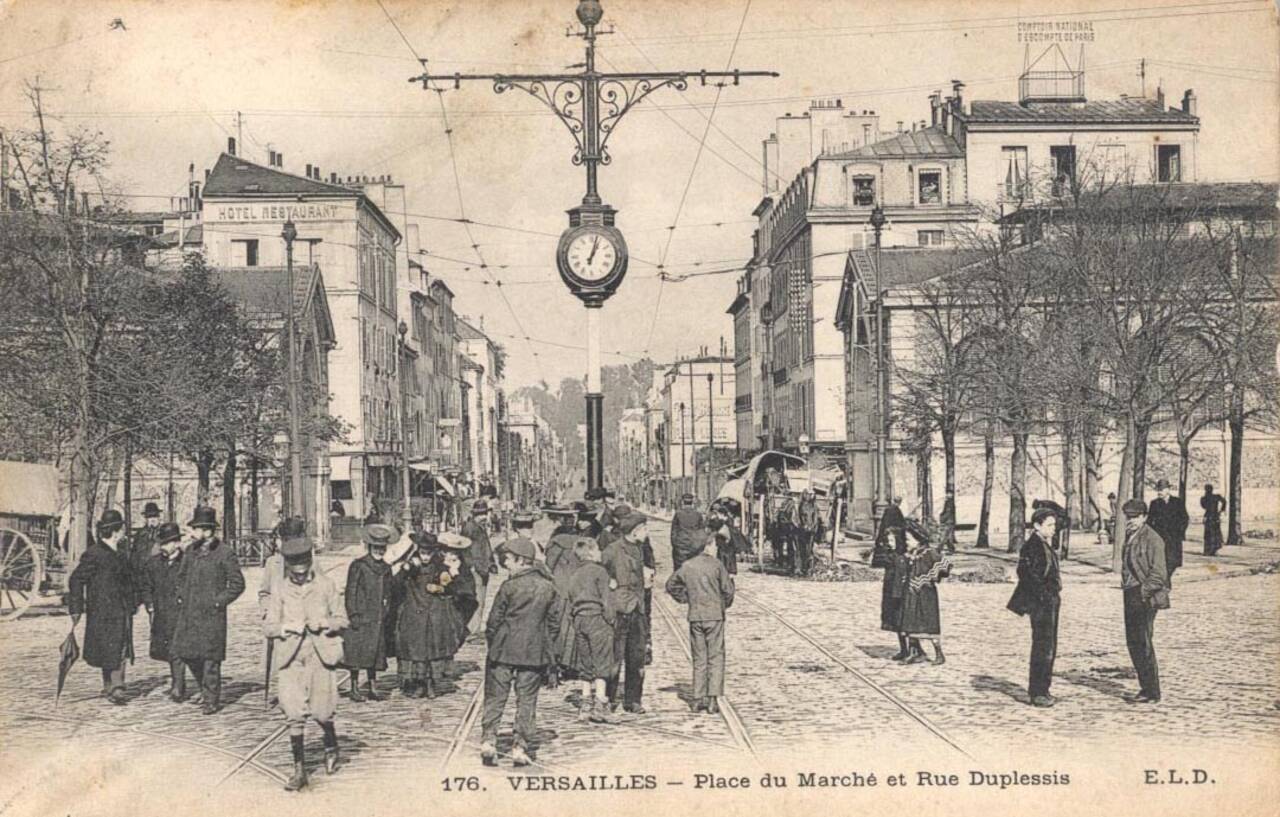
(462, 209)
(662, 260)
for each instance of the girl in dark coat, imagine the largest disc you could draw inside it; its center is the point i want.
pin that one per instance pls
(923, 569)
(896, 580)
(368, 602)
(209, 580)
(562, 561)
(160, 595)
(592, 658)
(430, 628)
(102, 586)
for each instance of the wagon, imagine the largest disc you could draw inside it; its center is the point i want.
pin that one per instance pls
(30, 555)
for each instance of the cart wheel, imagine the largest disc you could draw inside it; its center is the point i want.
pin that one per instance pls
(21, 572)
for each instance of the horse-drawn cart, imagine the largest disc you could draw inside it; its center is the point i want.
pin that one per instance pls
(31, 560)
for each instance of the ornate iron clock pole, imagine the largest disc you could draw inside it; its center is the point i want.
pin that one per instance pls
(592, 254)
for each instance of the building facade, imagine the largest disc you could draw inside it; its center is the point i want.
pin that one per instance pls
(698, 398)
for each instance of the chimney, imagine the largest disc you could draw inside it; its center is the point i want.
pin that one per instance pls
(333, 178)
(946, 110)
(271, 158)
(1160, 97)
(957, 88)
(899, 126)
(231, 145)
(308, 173)
(280, 160)
(1189, 102)
(935, 103)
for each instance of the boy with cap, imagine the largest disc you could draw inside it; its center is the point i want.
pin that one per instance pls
(1037, 596)
(305, 618)
(1145, 581)
(703, 583)
(624, 559)
(368, 603)
(209, 580)
(102, 585)
(688, 532)
(160, 595)
(521, 633)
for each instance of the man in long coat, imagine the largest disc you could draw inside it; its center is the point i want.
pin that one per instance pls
(1145, 581)
(1037, 595)
(368, 604)
(1167, 515)
(688, 532)
(144, 544)
(102, 585)
(480, 557)
(1213, 505)
(160, 595)
(209, 581)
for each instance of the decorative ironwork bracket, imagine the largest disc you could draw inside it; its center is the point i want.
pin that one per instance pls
(563, 97)
(619, 96)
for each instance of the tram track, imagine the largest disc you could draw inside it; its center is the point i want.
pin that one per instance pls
(911, 712)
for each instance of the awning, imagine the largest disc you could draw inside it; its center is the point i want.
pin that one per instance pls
(339, 469)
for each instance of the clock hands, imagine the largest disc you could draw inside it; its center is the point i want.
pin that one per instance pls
(595, 243)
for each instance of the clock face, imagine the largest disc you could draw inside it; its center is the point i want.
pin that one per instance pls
(591, 255)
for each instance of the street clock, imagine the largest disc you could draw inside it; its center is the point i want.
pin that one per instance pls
(592, 254)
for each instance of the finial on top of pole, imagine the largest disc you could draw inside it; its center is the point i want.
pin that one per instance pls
(589, 12)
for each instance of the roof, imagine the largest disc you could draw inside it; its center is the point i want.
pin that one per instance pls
(28, 489)
(195, 235)
(1206, 197)
(907, 266)
(235, 176)
(1128, 111)
(932, 141)
(261, 291)
(468, 332)
(140, 216)
(738, 303)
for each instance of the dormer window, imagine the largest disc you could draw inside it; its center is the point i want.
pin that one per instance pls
(864, 191)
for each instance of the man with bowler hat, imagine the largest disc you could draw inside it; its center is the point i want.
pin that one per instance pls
(1037, 596)
(102, 585)
(160, 595)
(368, 603)
(143, 544)
(1167, 515)
(208, 582)
(479, 558)
(521, 631)
(688, 532)
(306, 618)
(1145, 580)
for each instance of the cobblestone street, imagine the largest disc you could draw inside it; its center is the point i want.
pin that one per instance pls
(822, 684)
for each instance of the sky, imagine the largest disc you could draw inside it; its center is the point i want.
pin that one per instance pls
(326, 83)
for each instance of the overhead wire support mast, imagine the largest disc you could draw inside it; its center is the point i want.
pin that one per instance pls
(592, 254)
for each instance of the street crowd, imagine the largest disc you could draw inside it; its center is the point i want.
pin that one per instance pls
(577, 610)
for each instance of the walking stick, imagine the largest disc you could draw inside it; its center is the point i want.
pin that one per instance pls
(266, 681)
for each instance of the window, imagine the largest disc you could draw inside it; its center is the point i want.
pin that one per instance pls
(1062, 158)
(864, 191)
(929, 238)
(1015, 172)
(244, 252)
(930, 190)
(1168, 163)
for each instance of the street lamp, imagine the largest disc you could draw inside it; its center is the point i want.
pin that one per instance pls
(406, 514)
(881, 466)
(297, 505)
(683, 431)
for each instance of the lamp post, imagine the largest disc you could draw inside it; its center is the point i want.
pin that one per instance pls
(406, 513)
(296, 503)
(711, 438)
(683, 457)
(881, 466)
(592, 254)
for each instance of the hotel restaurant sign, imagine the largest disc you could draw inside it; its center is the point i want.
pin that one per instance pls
(265, 211)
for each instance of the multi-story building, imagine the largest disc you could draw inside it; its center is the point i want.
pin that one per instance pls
(485, 376)
(632, 465)
(536, 455)
(698, 399)
(744, 383)
(655, 439)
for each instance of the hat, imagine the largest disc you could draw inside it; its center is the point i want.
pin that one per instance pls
(558, 510)
(687, 499)
(1162, 484)
(424, 539)
(594, 494)
(1041, 514)
(621, 511)
(453, 541)
(203, 517)
(292, 527)
(378, 535)
(523, 520)
(150, 509)
(1134, 507)
(479, 507)
(523, 547)
(632, 522)
(168, 532)
(296, 549)
(609, 493)
(110, 522)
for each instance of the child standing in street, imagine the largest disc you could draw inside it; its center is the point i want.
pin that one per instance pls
(593, 658)
(368, 601)
(925, 566)
(521, 632)
(703, 583)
